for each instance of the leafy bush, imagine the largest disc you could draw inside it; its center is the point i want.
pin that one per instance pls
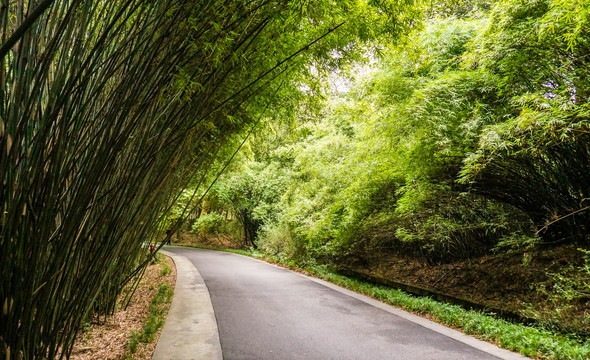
(209, 224)
(278, 239)
(537, 159)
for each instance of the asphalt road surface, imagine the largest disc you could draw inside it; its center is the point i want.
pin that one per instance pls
(264, 312)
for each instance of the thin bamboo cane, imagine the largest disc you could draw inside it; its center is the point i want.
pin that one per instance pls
(99, 135)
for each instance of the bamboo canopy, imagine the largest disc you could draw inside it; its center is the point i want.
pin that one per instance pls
(108, 109)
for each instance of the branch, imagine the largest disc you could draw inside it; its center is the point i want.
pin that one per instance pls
(561, 218)
(22, 29)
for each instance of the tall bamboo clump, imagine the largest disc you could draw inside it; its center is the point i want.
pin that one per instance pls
(107, 109)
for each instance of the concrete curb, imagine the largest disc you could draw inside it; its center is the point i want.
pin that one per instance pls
(190, 331)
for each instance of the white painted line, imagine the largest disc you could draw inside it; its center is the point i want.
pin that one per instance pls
(441, 329)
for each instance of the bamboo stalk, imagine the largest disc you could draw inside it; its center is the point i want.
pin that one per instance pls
(108, 110)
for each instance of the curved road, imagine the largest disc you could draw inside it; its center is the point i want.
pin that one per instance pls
(265, 312)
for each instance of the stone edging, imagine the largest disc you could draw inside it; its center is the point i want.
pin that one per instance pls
(190, 331)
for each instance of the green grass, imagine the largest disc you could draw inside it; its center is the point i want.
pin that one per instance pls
(133, 342)
(530, 341)
(165, 270)
(155, 319)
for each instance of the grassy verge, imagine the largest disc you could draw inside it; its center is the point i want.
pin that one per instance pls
(158, 310)
(530, 341)
(155, 321)
(111, 338)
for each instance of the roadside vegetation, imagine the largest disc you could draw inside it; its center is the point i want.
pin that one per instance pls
(155, 321)
(134, 328)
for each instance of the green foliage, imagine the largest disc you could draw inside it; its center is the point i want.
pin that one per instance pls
(565, 289)
(163, 296)
(379, 175)
(537, 158)
(458, 8)
(277, 239)
(208, 224)
(156, 315)
(568, 20)
(165, 270)
(470, 135)
(155, 320)
(133, 342)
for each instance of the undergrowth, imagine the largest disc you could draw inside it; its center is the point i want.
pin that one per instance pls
(156, 317)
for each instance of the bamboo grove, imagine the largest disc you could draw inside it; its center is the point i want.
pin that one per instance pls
(107, 110)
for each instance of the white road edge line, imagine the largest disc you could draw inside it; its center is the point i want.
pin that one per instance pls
(441, 329)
